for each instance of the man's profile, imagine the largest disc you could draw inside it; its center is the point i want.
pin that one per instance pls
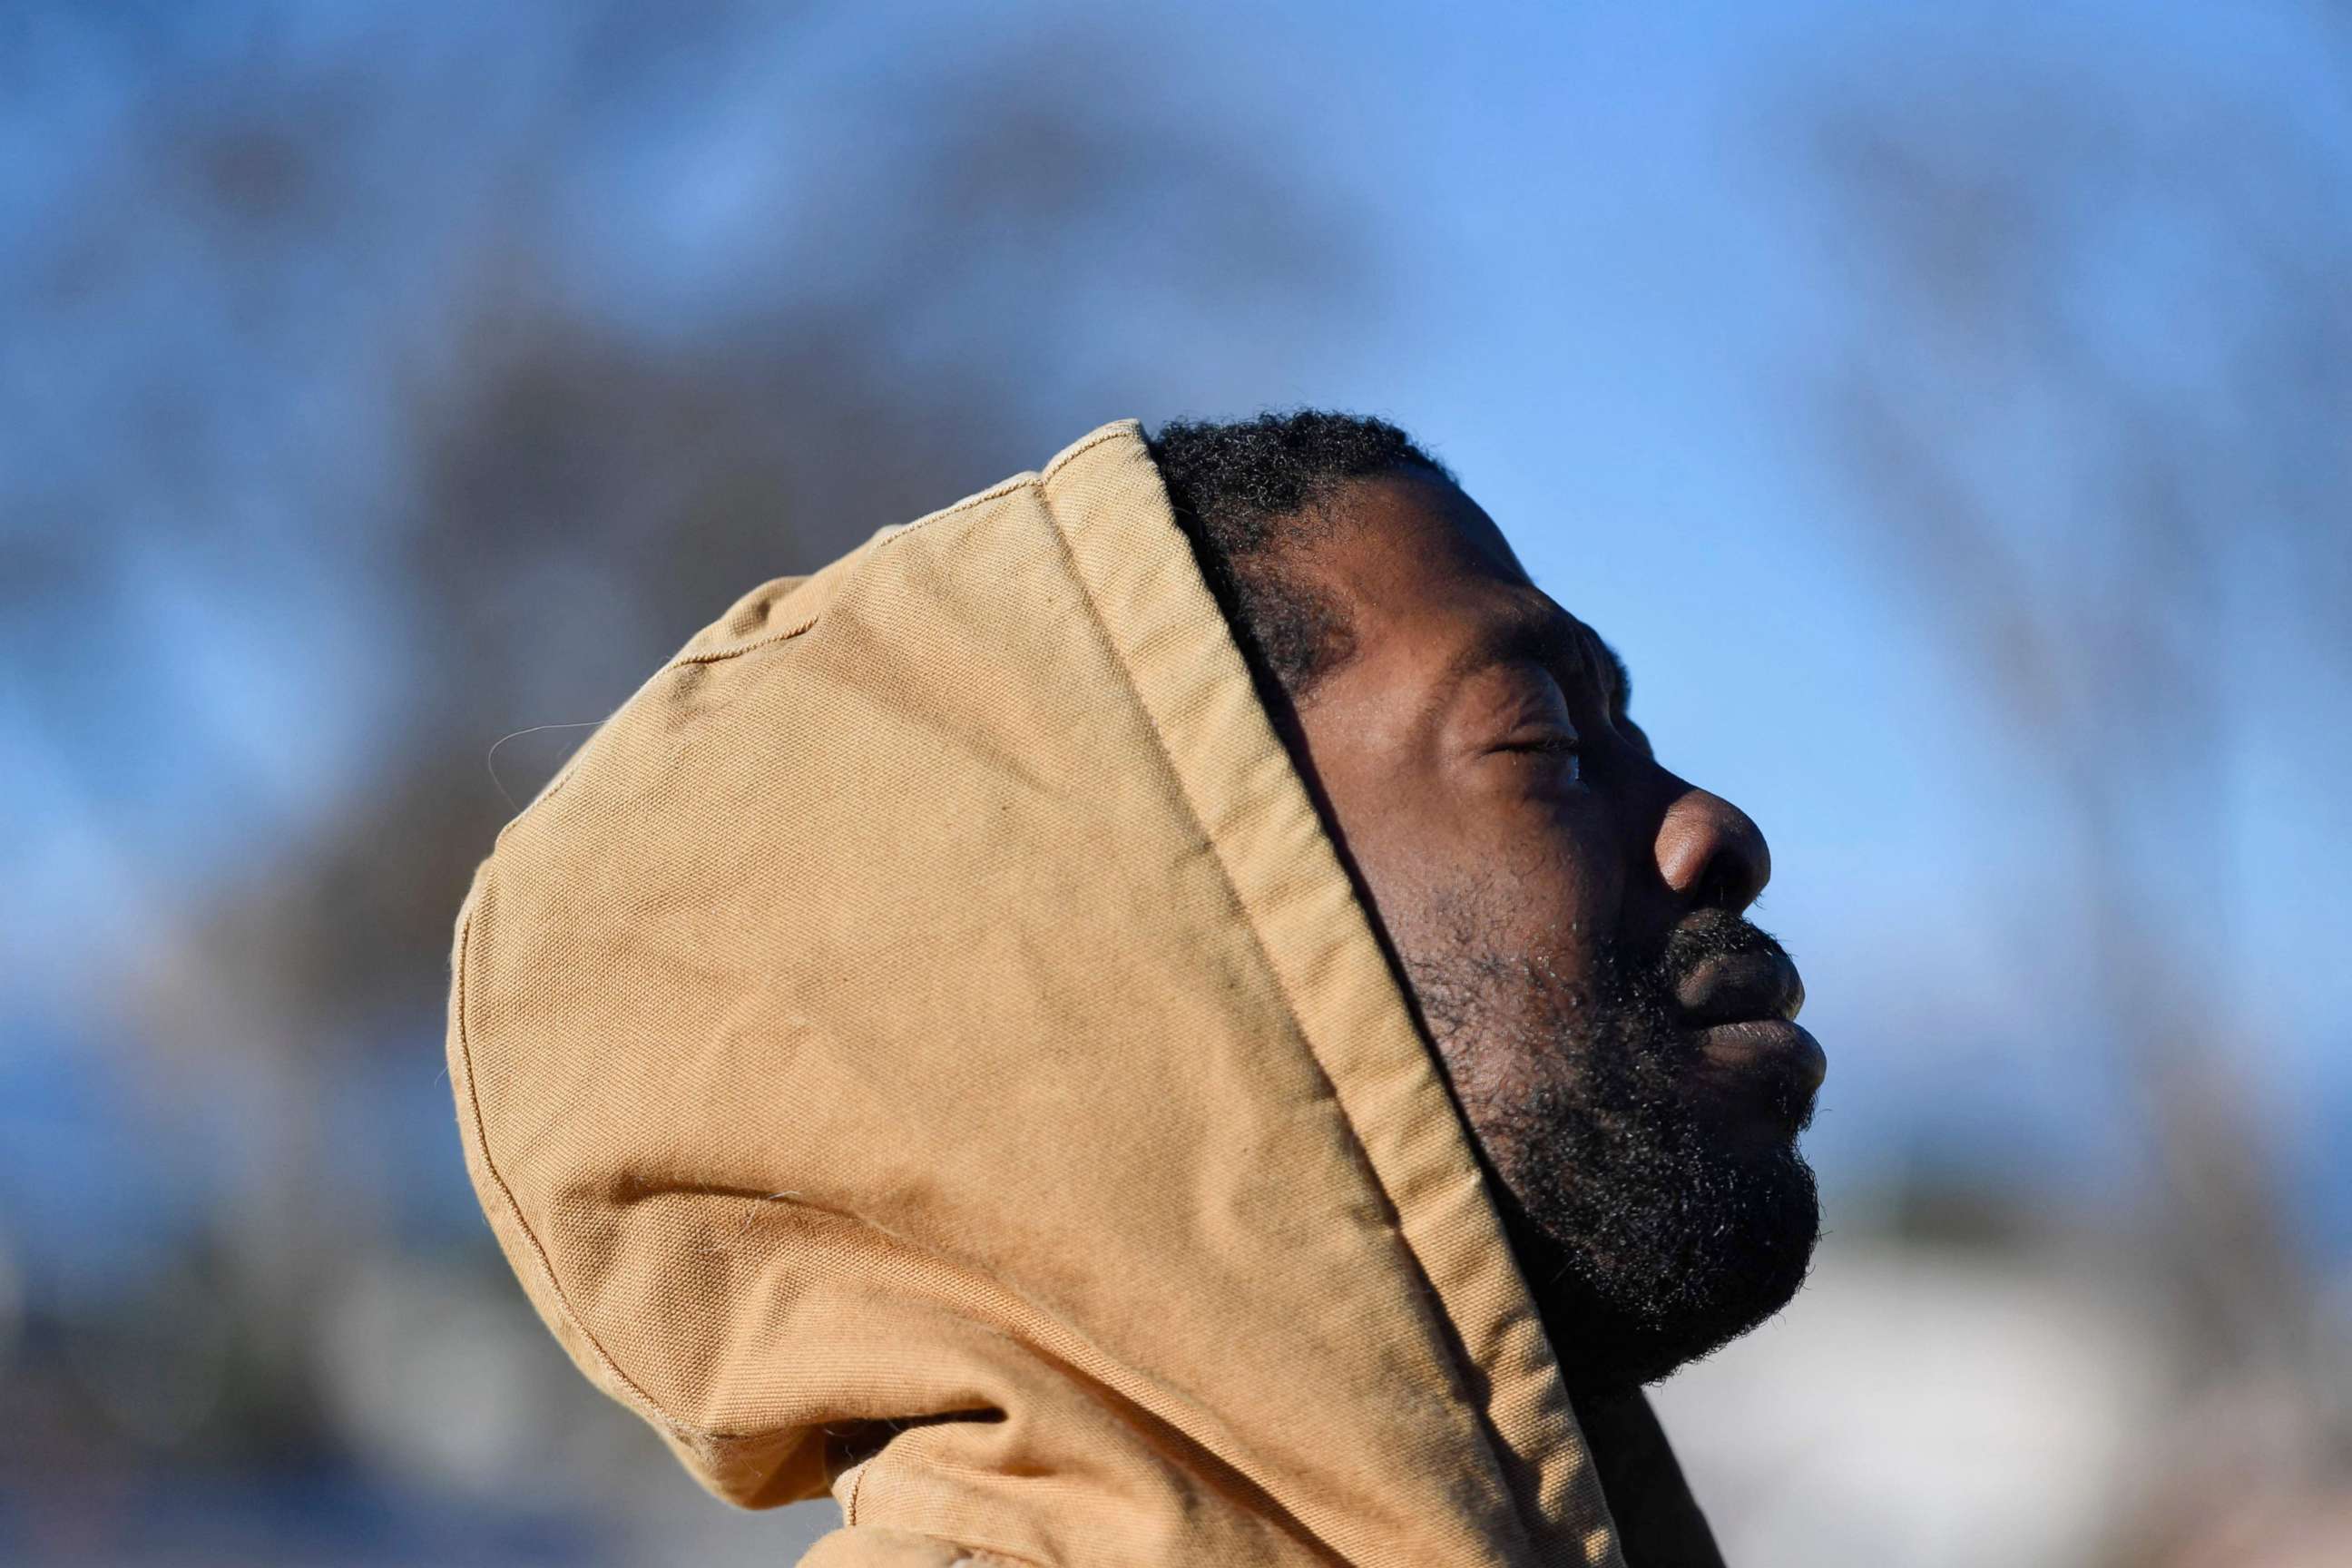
(1164, 1013)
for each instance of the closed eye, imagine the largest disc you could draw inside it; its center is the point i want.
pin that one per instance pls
(1557, 751)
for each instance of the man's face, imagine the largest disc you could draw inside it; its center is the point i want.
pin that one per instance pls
(1568, 916)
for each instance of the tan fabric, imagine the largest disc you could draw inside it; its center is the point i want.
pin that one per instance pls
(933, 995)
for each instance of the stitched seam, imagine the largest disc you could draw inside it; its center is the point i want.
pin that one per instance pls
(682, 660)
(506, 1195)
(997, 491)
(1117, 432)
(683, 1430)
(712, 1434)
(858, 1490)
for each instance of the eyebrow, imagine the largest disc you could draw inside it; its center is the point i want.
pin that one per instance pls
(1548, 635)
(1617, 670)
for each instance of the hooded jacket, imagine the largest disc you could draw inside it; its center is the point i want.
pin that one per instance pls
(925, 1045)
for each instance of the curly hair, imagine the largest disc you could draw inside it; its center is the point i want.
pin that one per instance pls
(1248, 492)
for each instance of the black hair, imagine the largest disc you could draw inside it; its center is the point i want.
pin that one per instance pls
(1247, 493)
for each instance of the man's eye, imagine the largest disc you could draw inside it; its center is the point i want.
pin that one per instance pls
(1562, 750)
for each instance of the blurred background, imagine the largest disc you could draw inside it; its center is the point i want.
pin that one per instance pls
(1947, 410)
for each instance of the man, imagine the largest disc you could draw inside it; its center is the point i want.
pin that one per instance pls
(960, 1036)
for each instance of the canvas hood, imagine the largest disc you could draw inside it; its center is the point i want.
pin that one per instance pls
(925, 1045)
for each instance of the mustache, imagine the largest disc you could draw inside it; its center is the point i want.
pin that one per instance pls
(1709, 934)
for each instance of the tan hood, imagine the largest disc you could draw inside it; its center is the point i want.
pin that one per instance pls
(930, 1022)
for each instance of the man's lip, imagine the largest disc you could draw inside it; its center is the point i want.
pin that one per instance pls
(1740, 987)
(1772, 1045)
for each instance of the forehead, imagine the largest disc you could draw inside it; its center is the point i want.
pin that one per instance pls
(1399, 540)
(1426, 576)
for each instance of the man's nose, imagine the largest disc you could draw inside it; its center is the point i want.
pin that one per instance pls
(1711, 854)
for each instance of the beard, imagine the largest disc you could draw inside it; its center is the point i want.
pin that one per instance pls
(1650, 1230)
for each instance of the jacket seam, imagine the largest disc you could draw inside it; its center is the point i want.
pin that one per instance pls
(646, 1401)
(996, 491)
(1115, 433)
(719, 655)
(686, 1431)
(856, 1491)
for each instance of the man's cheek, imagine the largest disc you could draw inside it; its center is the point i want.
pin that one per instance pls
(1571, 895)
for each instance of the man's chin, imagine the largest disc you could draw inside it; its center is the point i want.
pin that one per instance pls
(1676, 1276)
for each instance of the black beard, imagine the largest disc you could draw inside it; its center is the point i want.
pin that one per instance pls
(1648, 1237)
